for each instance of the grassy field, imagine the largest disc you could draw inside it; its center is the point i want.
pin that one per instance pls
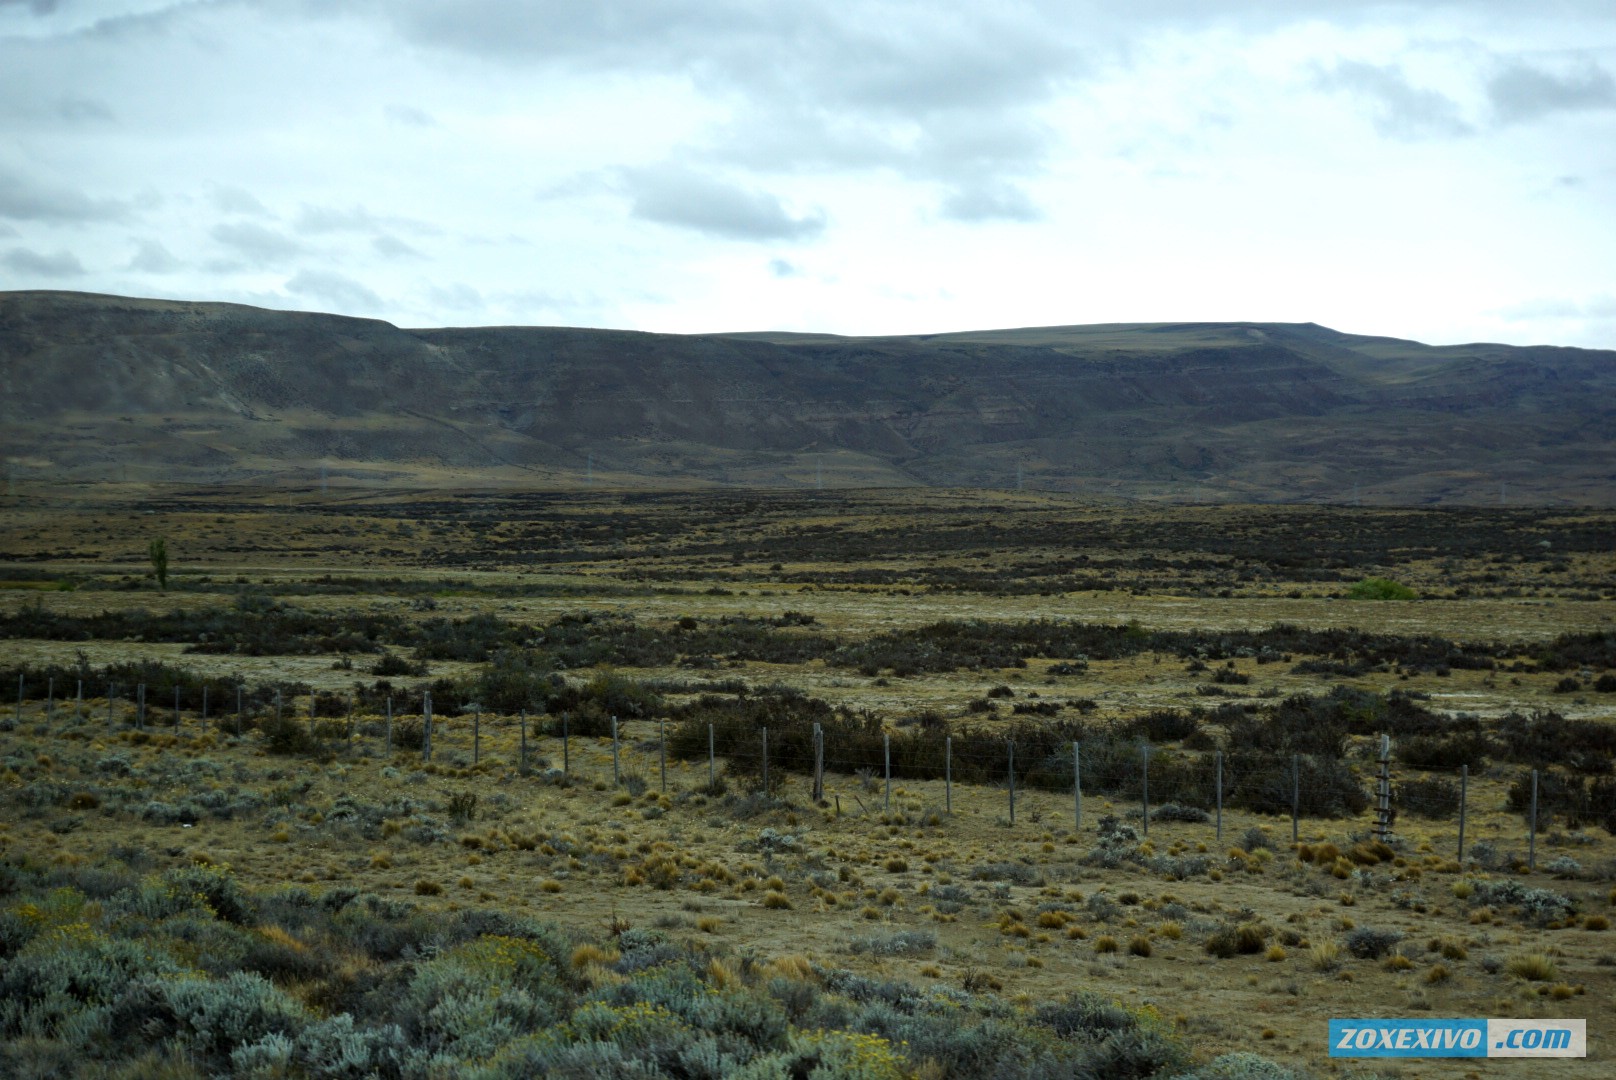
(916, 614)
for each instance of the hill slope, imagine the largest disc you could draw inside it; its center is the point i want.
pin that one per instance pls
(103, 388)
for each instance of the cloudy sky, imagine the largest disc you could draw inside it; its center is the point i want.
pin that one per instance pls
(1442, 171)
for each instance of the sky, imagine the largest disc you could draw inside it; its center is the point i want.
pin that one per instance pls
(1438, 171)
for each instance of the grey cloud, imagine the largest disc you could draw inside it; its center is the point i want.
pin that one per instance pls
(151, 257)
(22, 199)
(410, 116)
(1401, 110)
(1521, 92)
(38, 7)
(330, 219)
(257, 244)
(234, 200)
(784, 268)
(458, 297)
(679, 197)
(990, 202)
(391, 247)
(340, 292)
(56, 264)
(83, 110)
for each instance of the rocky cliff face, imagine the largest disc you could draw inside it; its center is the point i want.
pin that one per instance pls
(99, 387)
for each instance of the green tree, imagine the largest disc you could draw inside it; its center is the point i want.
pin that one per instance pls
(158, 551)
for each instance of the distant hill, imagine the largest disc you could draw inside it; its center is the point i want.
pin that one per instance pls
(99, 388)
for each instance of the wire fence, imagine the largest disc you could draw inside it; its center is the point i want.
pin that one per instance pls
(1035, 772)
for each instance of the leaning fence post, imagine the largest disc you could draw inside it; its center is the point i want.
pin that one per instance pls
(1464, 798)
(765, 763)
(615, 772)
(1012, 747)
(1077, 787)
(948, 774)
(886, 757)
(1219, 759)
(1531, 843)
(1296, 794)
(662, 752)
(426, 725)
(1144, 786)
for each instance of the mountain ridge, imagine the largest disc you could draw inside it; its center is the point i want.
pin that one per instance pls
(202, 392)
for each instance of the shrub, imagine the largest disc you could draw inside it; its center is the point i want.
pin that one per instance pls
(1367, 943)
(1429, 797)
(1533, 967)
(1376, 588)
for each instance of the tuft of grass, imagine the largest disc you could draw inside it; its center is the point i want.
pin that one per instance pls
(709, 924)
(1139, 945)
(1276, 953)
(1324, 956)
(1533, 967)
(425, 887)
(1596, 922)
(1105, 943)
(1438, 973)
(776, 900)
(550, 885)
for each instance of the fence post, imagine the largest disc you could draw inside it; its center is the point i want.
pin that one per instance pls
(1012, 758)
(19, 699)
(886, 757)
(662, 751)
(112, 692)
(350, 718)
(1383, 791)
(615, 772)
(314, 697)
(277, 706)
(477, 735)
(177, 706)
(1464, 799)
(50, 698)
(948, 774)
(140, 708)
(389, 750)
(1220, 795)
(1077, 786)
(204, 705)
(1296, 794)
(765, 763)
(78, 707)
(1531, 842)
(238, 709)
(1144, 785)
(426, 725)
(566, 746)
(522, 761)
(819, 764)
(712, 761)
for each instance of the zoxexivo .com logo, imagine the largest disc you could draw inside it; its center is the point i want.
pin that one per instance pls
(1458, 1038)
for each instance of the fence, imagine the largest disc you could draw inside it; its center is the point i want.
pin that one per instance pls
(1199, 780)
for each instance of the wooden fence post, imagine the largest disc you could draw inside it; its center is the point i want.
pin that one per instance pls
(662, 752)
(712, 761)
(819, 765)
(765, 763)
(616, 773)
(886, 757)
(1220, 795)
(140, 708)
(477, 735)
(426, 725)
(1296, 794)
(1144, 785)
(1012, 769)
(1077, 786)
(522, 761)
(1531, 842)
(389, 750)
(948, 774)
(1464, 800)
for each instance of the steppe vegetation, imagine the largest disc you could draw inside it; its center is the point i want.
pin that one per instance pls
(314, 879)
